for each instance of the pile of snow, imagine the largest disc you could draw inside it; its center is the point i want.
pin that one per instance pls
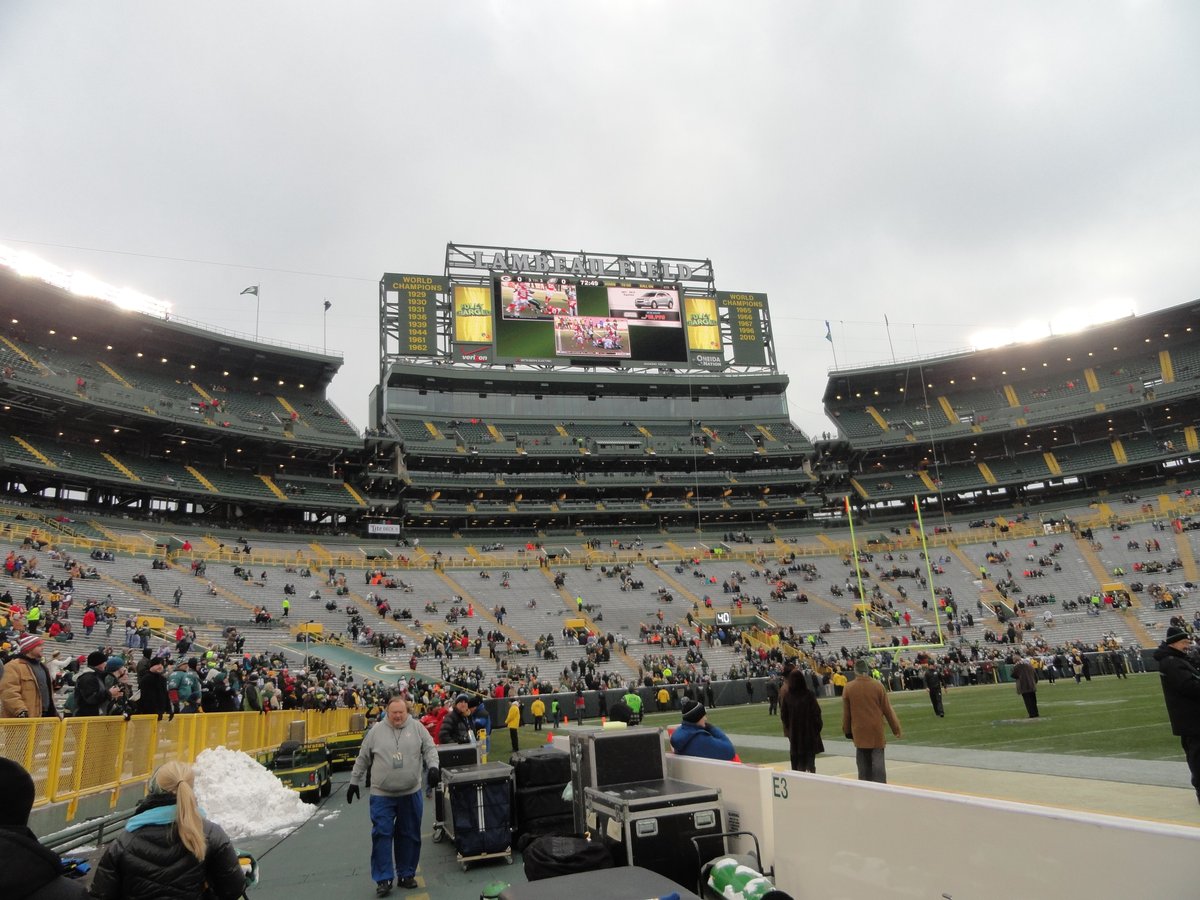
(244, 798)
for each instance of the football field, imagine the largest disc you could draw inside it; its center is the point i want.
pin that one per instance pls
(1106, 717)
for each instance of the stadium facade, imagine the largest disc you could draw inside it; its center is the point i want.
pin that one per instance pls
(548, 392)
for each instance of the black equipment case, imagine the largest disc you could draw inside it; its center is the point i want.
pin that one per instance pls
(450, 756)
(478, 801)
(540, 767)
(653, 823)
(601, 757)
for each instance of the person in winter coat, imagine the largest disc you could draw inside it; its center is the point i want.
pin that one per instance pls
(1026, 679)
(30, 871)
(456, 726)
(512, 721)
(168, 850)
(800, 715)
(26, 690)
(538, 709)
(1180, 679)
(865, 706)
(696, 736)
(153, 697)
(396, 753)
(91, 695)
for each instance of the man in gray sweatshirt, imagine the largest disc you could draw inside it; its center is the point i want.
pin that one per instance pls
(396, 750)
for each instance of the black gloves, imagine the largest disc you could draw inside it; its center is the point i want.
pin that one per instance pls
(435, 777)
(351, 793)
(23, 714)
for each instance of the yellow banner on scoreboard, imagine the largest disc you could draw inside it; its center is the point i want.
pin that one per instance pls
(703, 327)
(473, 314)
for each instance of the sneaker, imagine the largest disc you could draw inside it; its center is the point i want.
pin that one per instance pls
(383, 888)
(407, 883)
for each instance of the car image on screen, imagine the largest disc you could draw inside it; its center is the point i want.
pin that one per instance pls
(655, 300)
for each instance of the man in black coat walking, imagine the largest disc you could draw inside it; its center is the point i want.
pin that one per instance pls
(1180, 678)
(933, 682)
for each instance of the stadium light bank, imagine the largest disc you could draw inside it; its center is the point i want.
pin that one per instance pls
(80, 283)
(1066, 322)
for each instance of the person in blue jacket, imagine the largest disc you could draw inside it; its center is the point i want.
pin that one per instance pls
(696, 736)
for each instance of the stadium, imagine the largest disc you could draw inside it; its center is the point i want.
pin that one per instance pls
(580, 474)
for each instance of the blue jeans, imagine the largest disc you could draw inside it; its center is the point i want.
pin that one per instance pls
(395, 832)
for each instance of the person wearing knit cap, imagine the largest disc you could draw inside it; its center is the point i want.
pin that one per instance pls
(90, 692)
(30, 871)
(1180, 678)
(696, 736)
(865, 707)
(168, 849)
(26, 690)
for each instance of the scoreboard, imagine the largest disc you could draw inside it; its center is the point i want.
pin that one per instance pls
(414, 302)
(746, 331)
(502, 306)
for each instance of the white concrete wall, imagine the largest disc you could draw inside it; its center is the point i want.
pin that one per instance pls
(835, 839)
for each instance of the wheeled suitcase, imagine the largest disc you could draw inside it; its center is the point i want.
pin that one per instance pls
(602, 757)
(478, 804)
(652, 824)
(450, 756)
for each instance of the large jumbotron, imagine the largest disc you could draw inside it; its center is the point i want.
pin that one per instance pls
(580, 474)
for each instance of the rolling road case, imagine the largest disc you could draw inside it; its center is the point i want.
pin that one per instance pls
(603, 757)
(450, 756)
(478, 801)
(653, 823)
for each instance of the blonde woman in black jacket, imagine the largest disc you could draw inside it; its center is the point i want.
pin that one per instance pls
(168, 850)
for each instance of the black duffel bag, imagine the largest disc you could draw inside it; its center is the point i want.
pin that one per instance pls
(555, 854)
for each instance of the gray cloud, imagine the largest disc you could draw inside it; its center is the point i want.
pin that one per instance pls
(953, 166)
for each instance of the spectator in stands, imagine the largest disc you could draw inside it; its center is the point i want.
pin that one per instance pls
(456, 726)
(865, 707)
(91, 695)
(30, 870)
(26, 689)
(1180, 679)
(153, 696)
(696, 736)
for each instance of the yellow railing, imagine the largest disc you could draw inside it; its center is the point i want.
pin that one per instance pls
(74, 758)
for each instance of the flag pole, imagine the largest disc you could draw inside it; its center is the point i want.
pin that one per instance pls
(888, 326)
(832, 346)
(253, 289)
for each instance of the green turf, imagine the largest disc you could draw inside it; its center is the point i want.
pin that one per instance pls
(1105, 717)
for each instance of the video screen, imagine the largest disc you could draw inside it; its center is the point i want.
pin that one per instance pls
(546, 319)
(522, 298)
(592, 336)
(656, 307)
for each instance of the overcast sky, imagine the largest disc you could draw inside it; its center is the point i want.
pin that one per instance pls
(955, 166)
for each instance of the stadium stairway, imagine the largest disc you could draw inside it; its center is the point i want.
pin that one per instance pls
(1183, 549)
(679, 587)
(1102, 575)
